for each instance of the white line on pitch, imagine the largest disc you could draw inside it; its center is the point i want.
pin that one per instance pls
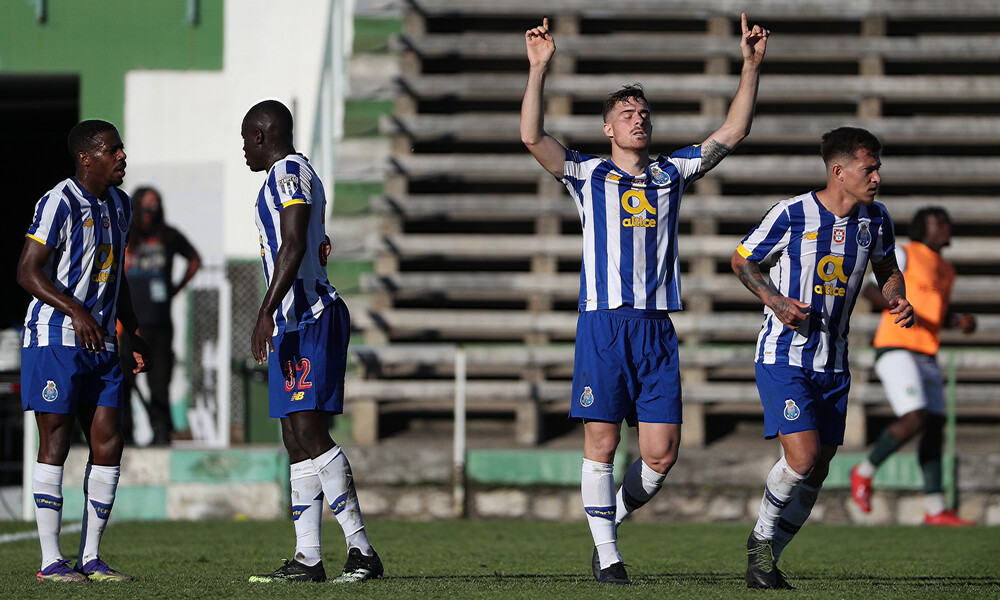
(29, 535)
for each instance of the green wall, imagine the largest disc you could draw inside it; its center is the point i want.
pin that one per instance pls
(101, 40)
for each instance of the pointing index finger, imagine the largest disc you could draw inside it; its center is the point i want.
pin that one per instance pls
(743, 20)
(545, 23)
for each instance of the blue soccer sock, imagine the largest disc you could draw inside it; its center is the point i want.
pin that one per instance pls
(307, 511)
(640, 484)
(334, 473)
(46, 484)
(597, 486)
(99, 488)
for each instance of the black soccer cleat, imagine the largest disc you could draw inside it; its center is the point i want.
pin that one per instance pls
(614, 574)
(761, 573)
(782, 582)
(292, 570)
(360, 567)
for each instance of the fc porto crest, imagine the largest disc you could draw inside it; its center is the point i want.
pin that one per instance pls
(864, 233)
(587, 397)
(50, 392)
(659, 177)
(792, 411)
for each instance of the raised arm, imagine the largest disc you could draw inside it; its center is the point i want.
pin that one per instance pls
(546, 149)
(890, 281)
(790, 311)
(737, 124)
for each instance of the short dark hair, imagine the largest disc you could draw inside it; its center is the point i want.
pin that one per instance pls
(271, 114)
(83, 136)
(845, 142)
(918, 225)
(629, 92)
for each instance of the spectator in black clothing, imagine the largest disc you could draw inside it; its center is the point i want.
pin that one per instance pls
(149, 264)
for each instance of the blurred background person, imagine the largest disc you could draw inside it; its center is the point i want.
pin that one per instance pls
(149, 264)
(906, 363)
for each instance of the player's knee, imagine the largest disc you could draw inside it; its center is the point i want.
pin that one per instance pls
(662, 463)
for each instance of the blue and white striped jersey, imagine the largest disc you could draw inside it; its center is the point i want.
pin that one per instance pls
(630, 229)
(292, 180)
(88, 238)
(818, 258)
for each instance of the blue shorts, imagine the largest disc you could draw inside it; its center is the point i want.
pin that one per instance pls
(797, 399)
(58, 379)
(626, 367)
(306, 371)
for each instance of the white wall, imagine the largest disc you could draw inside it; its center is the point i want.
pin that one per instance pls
(182, 128)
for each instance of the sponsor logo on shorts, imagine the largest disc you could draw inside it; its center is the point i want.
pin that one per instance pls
(50, 392)
(792, 411)
(587, 397)
(298, 396)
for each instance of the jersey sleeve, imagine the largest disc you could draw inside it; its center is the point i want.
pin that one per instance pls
(769, 238)
(885, 242)
(688, 162)
(290, 185)
(48, 226)
(577, 166)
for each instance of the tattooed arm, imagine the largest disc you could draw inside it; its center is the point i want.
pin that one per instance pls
(890, 281)
(790, 311)
(737, 124)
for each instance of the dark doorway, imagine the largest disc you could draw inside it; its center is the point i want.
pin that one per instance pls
(37, 112)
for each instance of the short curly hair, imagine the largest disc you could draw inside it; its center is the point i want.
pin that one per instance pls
(629, 92)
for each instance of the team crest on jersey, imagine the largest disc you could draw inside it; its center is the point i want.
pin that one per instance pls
(792, 411)
(50, 392)
(587, 397)
(122, 223)
(289, 184)
(659, 177)
(864, 234)
(839, 235)
(105, 222)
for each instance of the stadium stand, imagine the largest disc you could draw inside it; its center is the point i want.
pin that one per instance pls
(478, 246)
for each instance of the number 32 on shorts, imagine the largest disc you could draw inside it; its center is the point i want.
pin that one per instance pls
(297, 375)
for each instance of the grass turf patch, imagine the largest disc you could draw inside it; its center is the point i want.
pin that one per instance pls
(522, 559)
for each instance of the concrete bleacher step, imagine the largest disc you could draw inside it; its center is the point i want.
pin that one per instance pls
(786, 89)
(687, 46)
(474, 207)
(657, 9)
(685, 129)
(511, 246)
(565, 286)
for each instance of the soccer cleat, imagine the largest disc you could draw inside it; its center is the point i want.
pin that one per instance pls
(614, 574)
(292, 570)
(98, 570)
(946, 518)
(360, 567)
(861, 490)
(761, 572)
(782, 582)
(60, 571)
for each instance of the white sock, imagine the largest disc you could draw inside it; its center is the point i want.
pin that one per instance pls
(934, 503)
(335, 475)
(307, 511)
(597, 486)
(778, 488)
(46, 484)
(867, 468)
(798, 510)
(640, 484)
(99, 489)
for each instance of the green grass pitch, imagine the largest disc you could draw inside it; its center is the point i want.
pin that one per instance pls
(519, 559)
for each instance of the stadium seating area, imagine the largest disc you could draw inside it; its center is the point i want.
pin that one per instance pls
(478, 246)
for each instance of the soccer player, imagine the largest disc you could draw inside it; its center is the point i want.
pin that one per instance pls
(905, 362)
(302, 330)
(71, 264)
(626, 347)
(817, 247)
